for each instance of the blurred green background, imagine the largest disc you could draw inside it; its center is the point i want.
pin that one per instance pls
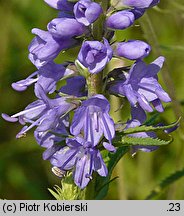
(23, 173)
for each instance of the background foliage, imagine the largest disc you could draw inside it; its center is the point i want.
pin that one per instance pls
(23, 173)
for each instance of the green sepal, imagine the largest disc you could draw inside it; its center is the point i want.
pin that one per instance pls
(83, 71)
(118, 5)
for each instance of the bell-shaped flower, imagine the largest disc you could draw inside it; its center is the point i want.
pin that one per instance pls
(94, 55)
(44, 113)
(120, 20)
(133, 49)
(93, 120)
(46, 76)
(65, 28)
(54, 135)
(45, 48)
(50, 74)
(141, 86)
(82, 157)
(86, 11)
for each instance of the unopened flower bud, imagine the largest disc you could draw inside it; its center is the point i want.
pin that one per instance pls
(133, 49)
(120, 20)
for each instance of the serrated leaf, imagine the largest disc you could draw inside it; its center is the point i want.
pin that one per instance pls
(136, 141)
(165, 183)
(144, 128)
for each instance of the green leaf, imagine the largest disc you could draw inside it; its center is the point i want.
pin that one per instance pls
(136, 141)
(102, 184)
(165, 183)
(144, 128)
(152, 119)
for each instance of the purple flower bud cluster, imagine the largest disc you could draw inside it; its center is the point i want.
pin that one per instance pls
(125, 18)
(73, 142)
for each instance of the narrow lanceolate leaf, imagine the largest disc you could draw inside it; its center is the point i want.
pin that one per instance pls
(151, 120)
(147, 141)
(57, 193)
(144, 128)
(165, 183)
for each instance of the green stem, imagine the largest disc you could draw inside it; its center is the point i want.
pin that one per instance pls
(151, 37)
(94, 83)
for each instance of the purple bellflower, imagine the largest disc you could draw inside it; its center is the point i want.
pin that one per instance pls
(83, 157)
(44, 113)
(73, 141)
(93, 120)
(133, 49)
(62, 5)
(65, 28)
(141, 86)
(47, 77)
(45, 48)
(55, 135)
(120, 20)
(94, 55)
(86, 11)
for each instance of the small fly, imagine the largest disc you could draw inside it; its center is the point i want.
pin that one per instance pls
(58, 172)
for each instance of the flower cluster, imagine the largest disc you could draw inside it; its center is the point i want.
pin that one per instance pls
(73, 142)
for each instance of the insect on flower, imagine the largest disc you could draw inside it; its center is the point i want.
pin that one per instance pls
(58, 172)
